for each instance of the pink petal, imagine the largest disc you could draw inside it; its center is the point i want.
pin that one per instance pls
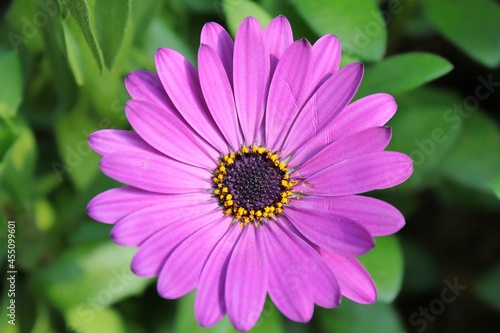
(219, 95)
(154, 172)
(112, 205)
(246, 280)
(354, 280)
(251, 77)
(377, 216)
(374, 171)
(210, 304)
(182, 269)
(326, 59)
(324, 105)
(364, 142)
(289, 286)
(278, 37)
(287, 92)
(370, 111)
(172, 136)
(108, 141)
(322, 281)
(218, 39)
(322, 227)
(146, 86)
(180, 80)
(133, 229)
(149, 259)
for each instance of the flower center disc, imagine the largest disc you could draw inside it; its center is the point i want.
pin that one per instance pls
(252, 184)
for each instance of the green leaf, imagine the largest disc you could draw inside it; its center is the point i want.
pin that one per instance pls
(75, 60)
(77, 159)
(495, 186)
(142, 14)
(269, 321)
(80, 11)
(23, 31)
(160, 33)
(474, 161)
(488, 289)
(57, 55)
(385, 265)
(12, 87)
(7, 137)
(90, 277)
(18, 165)
(111, 19)
(236, 11)
(45, 215)
(351, 317)
(201, 6)
(426, 128)
(471, 25)
(358, 24)
(88, 320)
(402, 73)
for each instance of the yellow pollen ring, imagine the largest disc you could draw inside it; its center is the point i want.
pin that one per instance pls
(230, 205)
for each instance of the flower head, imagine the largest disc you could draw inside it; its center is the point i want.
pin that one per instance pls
(243, 176)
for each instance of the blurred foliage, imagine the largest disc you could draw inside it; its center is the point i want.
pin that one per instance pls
(62, 65)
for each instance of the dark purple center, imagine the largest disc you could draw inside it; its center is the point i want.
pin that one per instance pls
(254, 181)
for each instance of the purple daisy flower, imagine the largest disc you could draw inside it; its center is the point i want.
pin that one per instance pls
(243, 176)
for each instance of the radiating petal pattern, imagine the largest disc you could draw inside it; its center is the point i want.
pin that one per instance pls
(180, 81)
(151, 256)
(218, 94)
(355, 282)
(218, 38)
(108, 141)
(157, 126)
(246, 280)
(136, 227)
(323, 106)
(243, 175)
(371, 140)
(334, 233)
(182, 269)
(251, 66)
(368, 172)
(155, 173)
(326, 59)
(288, 279)
(114, 204)
(278, 37)
(287, 92)
(210, 304)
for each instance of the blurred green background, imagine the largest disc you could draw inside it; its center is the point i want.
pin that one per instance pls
(62, 65)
